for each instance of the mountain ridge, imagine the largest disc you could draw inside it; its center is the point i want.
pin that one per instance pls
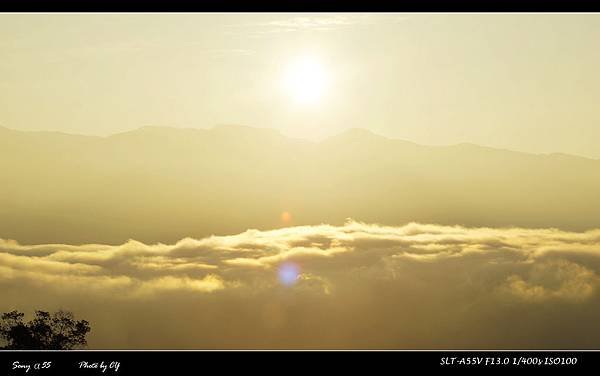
(356, 134)
(160, 184)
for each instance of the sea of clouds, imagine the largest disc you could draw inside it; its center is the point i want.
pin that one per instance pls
(352, 286)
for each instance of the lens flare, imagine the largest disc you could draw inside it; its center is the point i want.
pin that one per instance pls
(286, 217)
(288, 273)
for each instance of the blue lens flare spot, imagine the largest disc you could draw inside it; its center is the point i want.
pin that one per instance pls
(288, 273)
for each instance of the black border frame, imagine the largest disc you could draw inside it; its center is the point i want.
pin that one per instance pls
(196, 362)
(300, 6)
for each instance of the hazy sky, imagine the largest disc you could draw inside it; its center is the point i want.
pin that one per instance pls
(517, 81)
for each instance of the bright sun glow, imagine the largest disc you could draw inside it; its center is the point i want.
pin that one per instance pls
(305, 80)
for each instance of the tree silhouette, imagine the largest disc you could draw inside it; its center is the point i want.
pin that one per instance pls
(58, 331)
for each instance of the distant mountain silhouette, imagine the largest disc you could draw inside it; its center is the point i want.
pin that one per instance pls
(162, 184)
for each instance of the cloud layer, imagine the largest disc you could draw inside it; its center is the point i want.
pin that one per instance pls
(316, 23)
(352, 286)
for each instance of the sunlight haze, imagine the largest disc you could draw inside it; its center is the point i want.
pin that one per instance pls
(301, 181)
(524, 82)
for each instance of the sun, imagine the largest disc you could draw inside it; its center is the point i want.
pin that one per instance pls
(305, 80)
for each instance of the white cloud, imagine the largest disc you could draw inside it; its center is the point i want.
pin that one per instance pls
(316, 23)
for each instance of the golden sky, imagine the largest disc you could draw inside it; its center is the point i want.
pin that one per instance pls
(518, 81)
(254, 239)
